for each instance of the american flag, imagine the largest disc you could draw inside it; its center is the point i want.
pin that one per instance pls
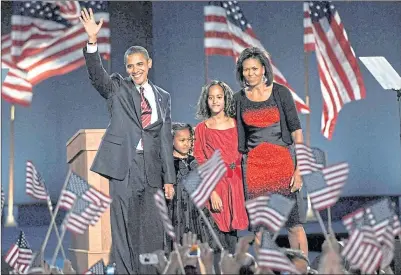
(228, 33)
(270, 211)
(19, 256)
(201, 182)
(35, 184)
(78, 187)
(81, 216)
(324, 186)
(37, 264)
(351, 220)
(97, 268)
(271, 257)
(363, 250)
(384, 222)
(309, 159)
(46, 40)
(340, 78)
(381, 214)
(161, 205)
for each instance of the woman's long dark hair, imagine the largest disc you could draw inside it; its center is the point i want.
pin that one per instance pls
(203, 110)
(264, 59)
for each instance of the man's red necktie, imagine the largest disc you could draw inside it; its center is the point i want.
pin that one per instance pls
(146, 110)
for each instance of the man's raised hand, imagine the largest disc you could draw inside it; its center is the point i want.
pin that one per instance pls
(91, 28)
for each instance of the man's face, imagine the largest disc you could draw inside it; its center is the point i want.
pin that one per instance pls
(137, 67)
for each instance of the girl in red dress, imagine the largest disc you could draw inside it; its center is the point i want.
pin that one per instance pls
(218, 130)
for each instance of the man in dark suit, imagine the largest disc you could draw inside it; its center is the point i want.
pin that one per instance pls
(135, 153)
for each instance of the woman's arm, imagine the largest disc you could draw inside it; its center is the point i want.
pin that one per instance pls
(240, 124)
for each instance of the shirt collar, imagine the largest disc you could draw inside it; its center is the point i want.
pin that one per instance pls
(145, 86)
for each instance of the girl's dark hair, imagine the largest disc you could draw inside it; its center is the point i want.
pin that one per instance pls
(264, 59)
(178, 126)
(203, 111)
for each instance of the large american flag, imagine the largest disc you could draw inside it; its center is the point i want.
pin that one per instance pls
(19, 256)
(97, 268)
(160, 202)
(35, 184)
(270, 211)
(325, 186)
(270, 256)
(201, 182)
(81, 216)
(46, 39)
(77, 187)
(340, 78)
(228, 33)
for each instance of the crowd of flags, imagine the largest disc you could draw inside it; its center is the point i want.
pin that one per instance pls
(372, 228)
(84, 205)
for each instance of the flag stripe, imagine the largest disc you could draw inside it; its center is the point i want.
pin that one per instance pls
(39, 49)
(340, 77)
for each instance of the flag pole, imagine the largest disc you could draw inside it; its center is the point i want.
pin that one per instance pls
(53, 219)
(10, 221)
(60, 241)
(329, 223)
(206, 67)
(309, 214)
(306, 69)
(326, 236)
(179, 257)
(216, 239)
(49, 205)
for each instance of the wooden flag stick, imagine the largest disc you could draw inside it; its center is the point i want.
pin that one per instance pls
(179, 258)
(63, 230)
(53, 219)
(216, 239)
(49, 205)
(276, 235)
(326, 236)
(59, 244)
(329, 224)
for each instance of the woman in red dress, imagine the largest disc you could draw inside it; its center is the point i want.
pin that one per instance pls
(218, 131)
(268, 126)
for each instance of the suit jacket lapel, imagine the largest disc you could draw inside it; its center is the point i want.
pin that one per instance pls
(136, 98)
